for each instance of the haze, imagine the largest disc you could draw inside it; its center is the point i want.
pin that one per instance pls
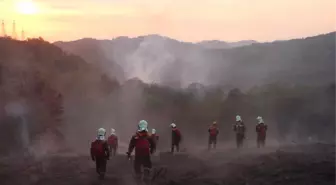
(188, 20)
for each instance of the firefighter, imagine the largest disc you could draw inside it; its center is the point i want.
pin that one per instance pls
(113, 142)
(176, 138)
(261, 129)
(155, 137)
(213, 132)
(240, 129)
(100, 152)
(144, 146)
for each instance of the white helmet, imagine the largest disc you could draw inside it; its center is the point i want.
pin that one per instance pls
(142, 126)
(101, 134)
(153, 131)
(173, 125)
(260, 119)
(113, 131)
(238, 118)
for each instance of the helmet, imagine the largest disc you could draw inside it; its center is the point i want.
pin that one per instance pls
(142, 126)
(260, 119)
(113, 131)
(101, 134)
(238, 118)
(173, 125)
(214, 123)
(153, 131)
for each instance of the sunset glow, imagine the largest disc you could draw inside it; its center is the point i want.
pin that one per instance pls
(26, 7)
(188, 20)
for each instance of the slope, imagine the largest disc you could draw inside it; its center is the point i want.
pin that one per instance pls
(41, 90)
(167, 61)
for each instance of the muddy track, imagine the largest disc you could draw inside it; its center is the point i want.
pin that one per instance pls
(290, 165)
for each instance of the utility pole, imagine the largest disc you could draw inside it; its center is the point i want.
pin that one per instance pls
(23, 35)
(14, 36)
(3, 30)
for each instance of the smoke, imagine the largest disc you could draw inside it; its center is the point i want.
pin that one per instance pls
(148, 60)
(166, 62)
(161, 60)
(19, 110)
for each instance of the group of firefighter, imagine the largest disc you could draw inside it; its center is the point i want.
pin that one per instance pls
(144, 144)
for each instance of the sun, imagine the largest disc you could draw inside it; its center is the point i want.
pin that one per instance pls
(26, 7)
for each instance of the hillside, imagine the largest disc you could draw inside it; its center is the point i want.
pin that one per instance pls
(144, 57)
(41, 89)
(215, 44)
(92, 52)
(52, 103)
(170, 62)
(308, 61)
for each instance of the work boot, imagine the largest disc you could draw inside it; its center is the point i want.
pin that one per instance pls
(101, 175)
(147, 175)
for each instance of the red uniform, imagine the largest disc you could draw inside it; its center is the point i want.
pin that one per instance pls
(155, 139)
(100, 154)
(261, 129)
(113, 144)
(144, 146)
(176, 139)
(213, 132)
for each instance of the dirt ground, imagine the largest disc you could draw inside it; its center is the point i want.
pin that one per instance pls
(312, 164)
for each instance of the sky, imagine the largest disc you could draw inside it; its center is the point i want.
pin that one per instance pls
(187, 20)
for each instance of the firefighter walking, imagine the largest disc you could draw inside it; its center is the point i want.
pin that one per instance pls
(176, 138)
(155, 138)
(113, 142)
(144, 146)
(100, 152)
(239, 128)
(261, 129)
(213, 132)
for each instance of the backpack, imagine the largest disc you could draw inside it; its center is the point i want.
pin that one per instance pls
(142, 145)
(262, 129)
(240, 129)
(213, 131)
(97, 148)
(112, 140)
(177, 133)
